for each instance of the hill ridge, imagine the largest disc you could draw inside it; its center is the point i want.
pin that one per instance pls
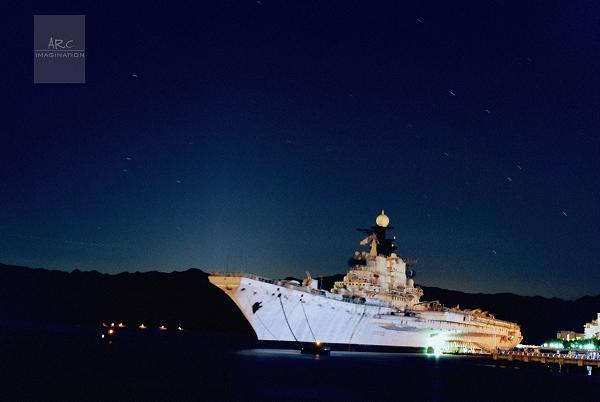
(39, 295)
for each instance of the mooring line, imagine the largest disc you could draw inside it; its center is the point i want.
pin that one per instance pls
(286, 319)
(305, 316)
(261, 321)
(356, 326)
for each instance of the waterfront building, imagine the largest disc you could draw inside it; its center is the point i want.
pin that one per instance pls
(592, 329)
(569, 335)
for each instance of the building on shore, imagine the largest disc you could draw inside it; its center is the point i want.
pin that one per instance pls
(569, 336)
(592, 329)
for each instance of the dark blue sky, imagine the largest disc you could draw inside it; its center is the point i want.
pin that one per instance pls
(258, 135)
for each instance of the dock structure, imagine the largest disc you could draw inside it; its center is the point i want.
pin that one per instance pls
(581, 360)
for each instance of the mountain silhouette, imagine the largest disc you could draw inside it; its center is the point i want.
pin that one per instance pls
(40, 296)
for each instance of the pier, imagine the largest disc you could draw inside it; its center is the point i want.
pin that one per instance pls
(581, 360)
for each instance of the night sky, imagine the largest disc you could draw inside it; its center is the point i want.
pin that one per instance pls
(258, 135)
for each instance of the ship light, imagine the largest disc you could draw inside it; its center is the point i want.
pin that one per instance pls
(318, 343)
(121, 325)
(142, 326)
(179, 328)
(437, 345)
(111, 331)
(162, 328)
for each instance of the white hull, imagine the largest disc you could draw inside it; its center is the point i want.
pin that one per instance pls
(284, 312)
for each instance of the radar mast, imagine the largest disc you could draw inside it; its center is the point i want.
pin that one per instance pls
(380, 243)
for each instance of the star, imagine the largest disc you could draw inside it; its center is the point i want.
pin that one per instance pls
(564, 213)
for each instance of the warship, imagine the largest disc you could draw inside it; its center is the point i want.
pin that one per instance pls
(376, 306)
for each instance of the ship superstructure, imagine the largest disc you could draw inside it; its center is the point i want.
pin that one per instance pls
(375, 304)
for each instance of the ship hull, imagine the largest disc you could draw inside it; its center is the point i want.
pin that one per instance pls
(283, 313)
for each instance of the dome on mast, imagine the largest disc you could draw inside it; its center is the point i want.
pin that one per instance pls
(382, 220)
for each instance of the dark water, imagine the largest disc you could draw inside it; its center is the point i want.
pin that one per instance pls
(77, 366)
